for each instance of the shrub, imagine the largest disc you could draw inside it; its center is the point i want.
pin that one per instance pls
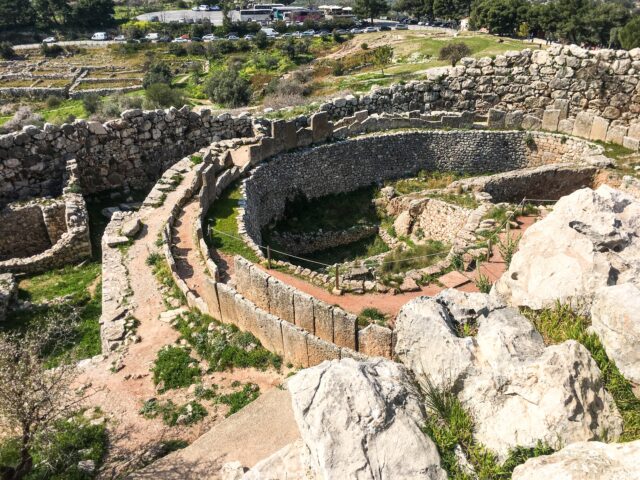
(483, 283)
(23, 116)
(177, 49)
(508, 248)
(337, 69)
(174, 368)
(261, 40)
(240, 399)
(172, 414)
(226, 87)
(52, 101)
(364, 46)
(158, 73)
(91, 103)
(51, 51)
(454, 51)
(162, 95)
(6, 51)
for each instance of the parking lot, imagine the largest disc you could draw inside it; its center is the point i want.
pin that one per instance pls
(187, 16)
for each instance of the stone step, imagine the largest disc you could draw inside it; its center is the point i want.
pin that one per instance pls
(453, 279)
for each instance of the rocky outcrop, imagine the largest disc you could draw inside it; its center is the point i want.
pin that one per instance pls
(517, 390)
(615, 318)
(362, 420)
(590, 240)
(585, 461)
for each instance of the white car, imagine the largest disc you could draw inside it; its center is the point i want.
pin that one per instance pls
(370, 30)
(209, 37)
(152, 36)
(180, 40)
(100, 36)
(120, 38)
(203, 8)
(49, 40)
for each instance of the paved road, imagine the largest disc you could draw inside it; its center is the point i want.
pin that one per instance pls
(83, 43)
(181, 15)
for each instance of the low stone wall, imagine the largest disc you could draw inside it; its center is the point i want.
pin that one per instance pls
(74, 245)
(549, 182)
(26, 230)
(301, 243)
(131, 151)
(34, 92)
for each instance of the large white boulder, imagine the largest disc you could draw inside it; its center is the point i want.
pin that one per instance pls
(363, 420)
(615, 318)
(590, 240)
(585, 461)
(517, 390)
(291, 462)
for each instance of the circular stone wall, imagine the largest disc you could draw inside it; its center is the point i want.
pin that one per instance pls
(351, 164)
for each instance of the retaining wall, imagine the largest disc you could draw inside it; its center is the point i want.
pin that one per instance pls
(131, 151)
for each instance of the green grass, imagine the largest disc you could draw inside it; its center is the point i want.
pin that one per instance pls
(613, 150)
(224, 346)
(191, 412)
(465, 200)
(74, 282)
(240, 398)
(222, 217)
(70, 280)
(162, 272)
(371, 315)
(174, 368)
(329, 213)
(69, 442)
(449, 425)
(401, 261)
(423, 181)
(561, 323)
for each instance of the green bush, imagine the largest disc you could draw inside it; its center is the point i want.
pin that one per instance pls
(162, 95)
(158, 72)
(240, 399)
(52, 101)
(56, 453)
(91, 103)
(226, 87)
(172, 414)
(51, 51)
(6, 51)
(371, 315)
(174, 368)
(453, 52)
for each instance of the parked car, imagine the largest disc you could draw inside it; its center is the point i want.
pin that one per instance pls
(180, 40)
(50, 40)
(355, 31)
(215, 8)
(163, 39)
(120, 38)
(323, 33)
(308, 33)
(370, 30)
(402, 26)
(209, 37)
(248, 36)
(195, 9)
(203, 8)
(152, 36)
(384, 28)
(233, 36)
(341, 31)
(100, 36)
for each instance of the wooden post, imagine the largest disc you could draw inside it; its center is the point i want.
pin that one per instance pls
(337, 277)
(268, 257)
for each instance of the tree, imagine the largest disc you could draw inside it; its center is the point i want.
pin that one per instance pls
(370, 8)
(228, 88)
(51, 12)
(500, 17)
(629, 35)
(15, 13)
(93, 13)
(33, 397)
(382, 57)
(453, 52)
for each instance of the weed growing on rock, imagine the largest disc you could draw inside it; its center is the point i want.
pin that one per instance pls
(508, 248)
(561, 323)
(450, 426)
(162, 272)
(371, 315)
(483, 284)
(174, 368)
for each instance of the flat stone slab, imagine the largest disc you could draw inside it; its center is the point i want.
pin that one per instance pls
(453, 279)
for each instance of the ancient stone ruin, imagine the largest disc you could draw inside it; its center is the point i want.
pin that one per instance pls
(516, 127)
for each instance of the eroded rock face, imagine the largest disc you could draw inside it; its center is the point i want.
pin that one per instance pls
(517, 390)
(362, 420)
(585, 461)
(615, 317)
(292, 462)
(589, 241)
